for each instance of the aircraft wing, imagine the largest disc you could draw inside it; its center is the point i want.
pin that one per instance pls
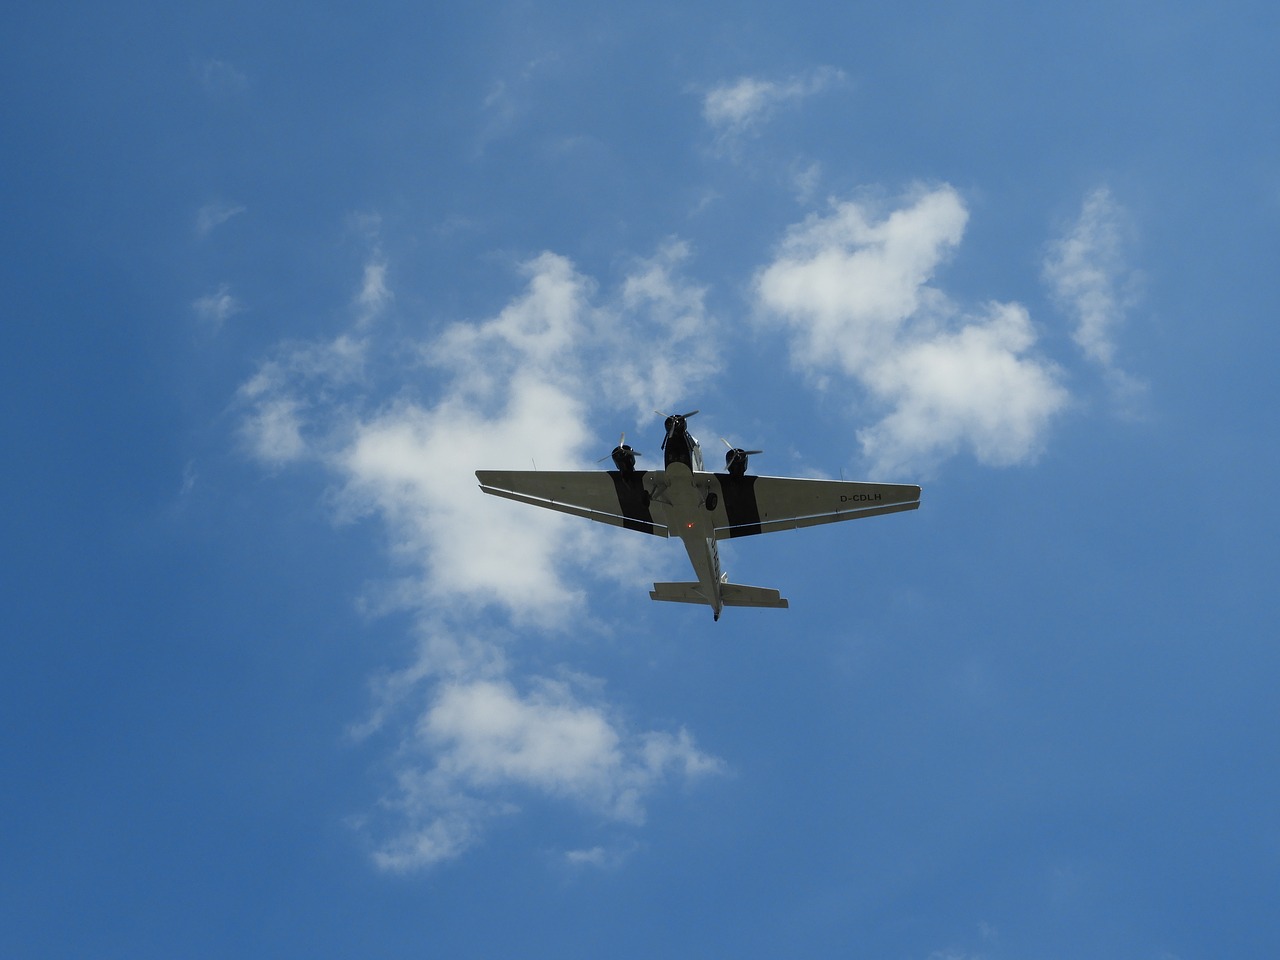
(605, 496)
(750, 505)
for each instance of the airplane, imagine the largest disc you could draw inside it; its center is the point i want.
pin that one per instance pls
(701, 508)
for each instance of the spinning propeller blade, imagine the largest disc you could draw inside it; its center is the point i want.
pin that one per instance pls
(738, 449)
(622, 445)
(671, 420)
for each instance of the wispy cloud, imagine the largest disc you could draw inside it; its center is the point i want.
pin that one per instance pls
(1089, 276)
(374, 294)
(274, 430)
(478, 734)
(219, 78)
(854, 290)
(805, 180)
(739, 108)
(664, 335)
(287, 403)
(214, 309)
(519, 388)
(508, 99)
(482, 739)
(214, 214)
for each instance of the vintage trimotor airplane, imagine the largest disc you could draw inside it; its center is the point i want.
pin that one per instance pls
(683, 500)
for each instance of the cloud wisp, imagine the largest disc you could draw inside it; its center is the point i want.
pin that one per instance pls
(214, 214)
(214, 309)
(740, 108)
(482, 735)
(482, 743)
(1089, 277)
(375, 296)
(854, 290)
(219, 78)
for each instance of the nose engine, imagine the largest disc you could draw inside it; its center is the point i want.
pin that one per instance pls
(674, 422)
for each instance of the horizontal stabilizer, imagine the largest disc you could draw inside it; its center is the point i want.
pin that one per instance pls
(731, 595)
(737, 595)
(678, 593)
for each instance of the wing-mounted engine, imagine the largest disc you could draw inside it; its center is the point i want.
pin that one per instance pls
(736, 459)
(624, 457)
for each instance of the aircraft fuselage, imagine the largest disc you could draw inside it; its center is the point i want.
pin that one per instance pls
(684, 500)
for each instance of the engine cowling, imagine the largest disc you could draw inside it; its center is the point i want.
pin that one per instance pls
(624, 458)
(736, 460)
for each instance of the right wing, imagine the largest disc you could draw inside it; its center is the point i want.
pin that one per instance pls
(606, 496)
(749, 505)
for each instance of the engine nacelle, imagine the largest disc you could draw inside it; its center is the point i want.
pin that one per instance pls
(624, 458)
(735, 461)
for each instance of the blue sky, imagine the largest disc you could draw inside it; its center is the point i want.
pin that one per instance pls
(277, 679)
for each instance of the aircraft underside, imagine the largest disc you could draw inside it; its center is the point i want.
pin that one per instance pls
(700, 508)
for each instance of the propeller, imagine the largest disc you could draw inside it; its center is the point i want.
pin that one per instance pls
(624, 458)
(735, 460)
(671, 420)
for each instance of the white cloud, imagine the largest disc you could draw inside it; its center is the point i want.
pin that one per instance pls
(593, 857)
(663, 340)
(1086, 271)
(500, 111)
(805, 179)
(511, 389)
(416, 465)
(516, 395)
(846, 285)
(507, 100)
(970, 388)
(542, 331)
(484, 735)
(283, 389)
(444, 823)
(854, 290)
(740, 109)
(374, 294)
(219, 78)
(214, 309)
(274, 431)
(214, 214)
(518, 391)
(742, 106)
(521, 386)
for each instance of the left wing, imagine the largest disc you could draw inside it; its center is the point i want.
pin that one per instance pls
(750, 505)
(606, 496)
